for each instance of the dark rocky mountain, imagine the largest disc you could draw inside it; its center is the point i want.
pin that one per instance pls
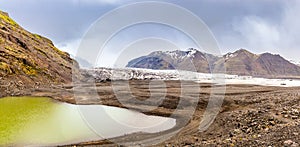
(241, 62)
(29, 60)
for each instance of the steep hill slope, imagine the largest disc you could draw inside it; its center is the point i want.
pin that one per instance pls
(29, 60)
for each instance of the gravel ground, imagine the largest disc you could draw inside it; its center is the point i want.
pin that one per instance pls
(251, 115)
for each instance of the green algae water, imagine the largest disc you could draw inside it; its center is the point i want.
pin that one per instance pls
(17, 113)
(39, 121)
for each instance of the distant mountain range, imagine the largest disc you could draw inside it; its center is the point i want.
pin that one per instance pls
(241, 62)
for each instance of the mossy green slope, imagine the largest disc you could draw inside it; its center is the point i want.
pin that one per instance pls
(29, 60)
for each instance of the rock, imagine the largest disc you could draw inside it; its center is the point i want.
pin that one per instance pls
(228, 139)
(272, 123)
(288, 142)
(231, 134)
(295, 144)
(258, 135)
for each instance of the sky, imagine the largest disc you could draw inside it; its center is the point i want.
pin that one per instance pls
(256, 25)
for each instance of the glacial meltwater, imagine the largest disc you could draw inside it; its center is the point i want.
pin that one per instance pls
(42, 121)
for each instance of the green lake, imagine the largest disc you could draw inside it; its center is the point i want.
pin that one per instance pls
(42, 121)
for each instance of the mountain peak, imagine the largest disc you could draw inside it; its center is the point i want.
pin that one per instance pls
(269, 54)
(242, 51)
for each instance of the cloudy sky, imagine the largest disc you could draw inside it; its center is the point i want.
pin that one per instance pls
(259, 26)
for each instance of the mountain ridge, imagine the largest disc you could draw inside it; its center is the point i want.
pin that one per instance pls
(241, 62)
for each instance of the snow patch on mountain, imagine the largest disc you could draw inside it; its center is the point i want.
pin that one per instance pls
(180, 55)
(191, 52)
(230, 55)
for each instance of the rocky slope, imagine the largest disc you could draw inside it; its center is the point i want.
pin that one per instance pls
(29, 60)
(241, 62)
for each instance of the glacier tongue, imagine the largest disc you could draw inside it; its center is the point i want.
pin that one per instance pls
(103, 74)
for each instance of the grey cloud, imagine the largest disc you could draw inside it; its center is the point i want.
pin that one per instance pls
(259, 33)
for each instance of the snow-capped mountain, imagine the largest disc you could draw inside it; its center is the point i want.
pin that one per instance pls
(177, 54)
(190, 53)
(183, 60)
(240, 62)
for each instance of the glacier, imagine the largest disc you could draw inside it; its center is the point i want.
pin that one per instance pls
(105, 74)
